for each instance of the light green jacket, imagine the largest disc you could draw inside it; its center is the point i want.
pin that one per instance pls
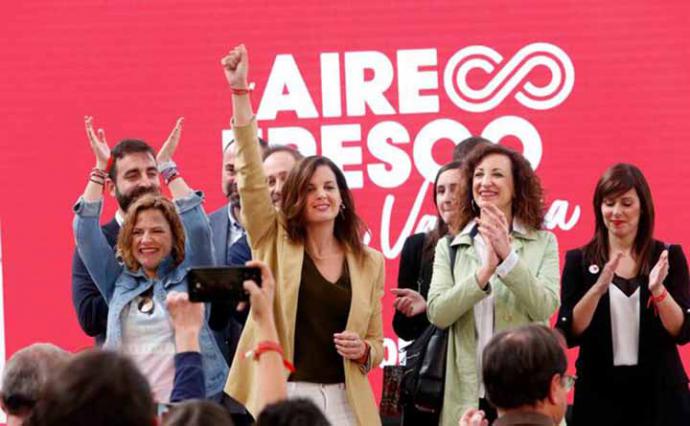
(530, 292)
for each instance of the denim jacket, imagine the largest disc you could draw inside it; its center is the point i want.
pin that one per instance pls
(120, 285)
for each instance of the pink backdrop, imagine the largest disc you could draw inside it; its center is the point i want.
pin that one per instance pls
(382, 87)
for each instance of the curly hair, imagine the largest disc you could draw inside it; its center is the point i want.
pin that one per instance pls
(348, 227)
(528, 202)
(167, 209)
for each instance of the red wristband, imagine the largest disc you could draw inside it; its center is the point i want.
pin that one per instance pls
(109, 164)
(269, 346)
(653, 300)
(242, 91)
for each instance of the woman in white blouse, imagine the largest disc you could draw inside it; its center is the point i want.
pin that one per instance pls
(626, 304)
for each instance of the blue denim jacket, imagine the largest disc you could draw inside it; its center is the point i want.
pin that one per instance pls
(120, 286)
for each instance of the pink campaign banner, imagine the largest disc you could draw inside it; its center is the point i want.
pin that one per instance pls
(383, 88)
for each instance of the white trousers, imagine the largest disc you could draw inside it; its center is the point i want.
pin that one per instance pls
(331, 400)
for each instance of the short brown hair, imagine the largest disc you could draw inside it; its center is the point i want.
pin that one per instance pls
(519, 364)
(348, 226)
(618, 179)
(282, 148)
(167, 208)
(528, 203)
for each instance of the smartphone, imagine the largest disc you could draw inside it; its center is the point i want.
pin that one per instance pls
(221, 284)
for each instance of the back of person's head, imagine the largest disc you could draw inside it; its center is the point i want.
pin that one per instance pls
(26, 374)
(463, 149)
(292, 412)
(96, 388)
(518, 366)
(196, 413)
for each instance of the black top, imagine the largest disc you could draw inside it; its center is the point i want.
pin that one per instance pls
(416, 275)
(651, 392)
(322, 310)
(628, 285)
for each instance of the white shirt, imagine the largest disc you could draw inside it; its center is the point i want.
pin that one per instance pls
(235, 230)
(483, 310)
(625, 325)
(148, 339)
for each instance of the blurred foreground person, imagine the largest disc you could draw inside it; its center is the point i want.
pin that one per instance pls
(96, 388)
(524, 375)
(24, 378)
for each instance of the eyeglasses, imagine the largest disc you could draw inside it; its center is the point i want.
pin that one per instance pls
(568, 381)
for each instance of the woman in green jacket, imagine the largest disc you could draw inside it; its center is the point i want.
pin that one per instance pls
(506, 269)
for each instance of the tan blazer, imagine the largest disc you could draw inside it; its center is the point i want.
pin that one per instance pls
(269, 242)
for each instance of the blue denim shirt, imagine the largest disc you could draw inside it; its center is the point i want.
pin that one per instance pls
(120, 286)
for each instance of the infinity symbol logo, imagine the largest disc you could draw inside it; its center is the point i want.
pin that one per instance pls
(513, 74)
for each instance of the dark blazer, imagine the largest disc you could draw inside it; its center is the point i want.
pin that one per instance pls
(659, 374)
(219, 233)
(91, 308)
(224, 320)
(413, 275)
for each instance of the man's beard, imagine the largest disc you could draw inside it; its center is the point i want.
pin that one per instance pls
(233, 194)
(126, 200)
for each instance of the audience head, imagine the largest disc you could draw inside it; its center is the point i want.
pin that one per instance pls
(228, 176)
(152, 230)
(447, 194)
(501, 176)
(196, 413)
(463, 149)
(292, 412)
(96, 388)
(279, 160)
(623, 207)
(24, 378)
(316, 192)
(524, 369)
(133, 172)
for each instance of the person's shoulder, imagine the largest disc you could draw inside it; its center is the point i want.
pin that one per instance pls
(542, 234)
(219, 213)
(674, 250)
(371, 255)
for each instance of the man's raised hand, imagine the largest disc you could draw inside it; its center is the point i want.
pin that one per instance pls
(168, 149)
(99, 145)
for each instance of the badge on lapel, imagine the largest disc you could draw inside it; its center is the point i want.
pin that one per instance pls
(593, 269)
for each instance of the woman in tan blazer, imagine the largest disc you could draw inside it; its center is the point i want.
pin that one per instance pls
(328, 284)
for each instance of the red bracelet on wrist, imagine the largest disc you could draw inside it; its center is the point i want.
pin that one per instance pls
(653, 300)
(269, 346)
(109, 164)
(242, 91)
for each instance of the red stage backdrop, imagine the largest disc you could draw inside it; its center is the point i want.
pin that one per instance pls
(383, 88)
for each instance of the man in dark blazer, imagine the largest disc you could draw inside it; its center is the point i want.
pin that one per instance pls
(133, 173)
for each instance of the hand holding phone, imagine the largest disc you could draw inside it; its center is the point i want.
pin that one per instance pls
(221, 284)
